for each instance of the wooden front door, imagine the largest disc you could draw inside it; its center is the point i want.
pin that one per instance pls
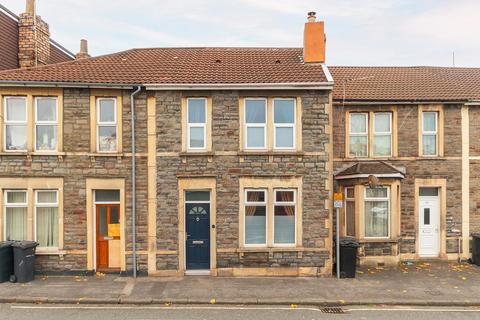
(108, 235)
(198, 236)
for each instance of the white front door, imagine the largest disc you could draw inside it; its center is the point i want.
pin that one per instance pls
(429, 224)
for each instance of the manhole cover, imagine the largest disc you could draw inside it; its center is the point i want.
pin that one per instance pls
(336, 310)
(434, 292)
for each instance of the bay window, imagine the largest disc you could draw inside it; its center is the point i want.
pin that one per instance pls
(46, 124)
(15, 123)
(106, 125)
(377, 212)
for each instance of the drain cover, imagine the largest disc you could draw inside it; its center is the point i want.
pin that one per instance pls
(336, 310)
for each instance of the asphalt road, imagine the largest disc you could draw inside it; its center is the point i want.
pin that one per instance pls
(121, 312)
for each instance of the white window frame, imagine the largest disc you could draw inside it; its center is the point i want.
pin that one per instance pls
(45, 205)
(358, 134)
(45, 123)
(348, 199)
(382, 133)
(255, 203)
(430, 133)
(7, 122)
(197, 125)
(365, 199)
(285, 125)
(255, 125)
(106, 124)
(13, 205)
(284, 203)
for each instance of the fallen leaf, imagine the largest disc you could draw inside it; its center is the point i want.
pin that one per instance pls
(293, 306)
(213, 301)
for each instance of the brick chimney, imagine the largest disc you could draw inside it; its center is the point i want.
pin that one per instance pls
(83, 53)
(33, 38)
(314, 40)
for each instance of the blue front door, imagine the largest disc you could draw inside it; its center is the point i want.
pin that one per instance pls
(197, 225)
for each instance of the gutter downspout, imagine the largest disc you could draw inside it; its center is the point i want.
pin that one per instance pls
(134, 200)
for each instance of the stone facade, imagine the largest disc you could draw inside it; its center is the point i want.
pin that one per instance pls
(227, 166)
(75, 165)
(448, 167)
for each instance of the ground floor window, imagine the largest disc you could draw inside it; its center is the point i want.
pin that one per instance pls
(350, 212)
(270, 216)
(16, 215)
(377, 212)
(46, 216)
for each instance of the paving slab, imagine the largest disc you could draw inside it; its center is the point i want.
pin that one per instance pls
(425, 283)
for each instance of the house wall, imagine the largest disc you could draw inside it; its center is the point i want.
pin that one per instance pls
(226, 166)
(75, 164)
(447, 167)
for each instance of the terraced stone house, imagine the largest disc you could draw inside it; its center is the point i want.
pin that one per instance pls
(223, 161)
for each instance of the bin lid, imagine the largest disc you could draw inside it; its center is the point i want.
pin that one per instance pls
(349, 242)
(6, 244)
(25, 244)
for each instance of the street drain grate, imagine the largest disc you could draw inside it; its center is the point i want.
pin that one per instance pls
(333, 310)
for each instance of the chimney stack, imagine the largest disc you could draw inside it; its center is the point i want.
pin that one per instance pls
(33, 38)
(83, 53)
(314, 40)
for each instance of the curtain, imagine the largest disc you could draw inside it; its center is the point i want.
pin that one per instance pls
(16, 223)
(287, 197)
(47, 227)
(251, 197)
(376, 218)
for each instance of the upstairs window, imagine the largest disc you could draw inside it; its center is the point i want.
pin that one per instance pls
(15, 123)
(196, 123)
(370, 134)
(107, 125)
(429, 133)
(358, 135)
(284, 123)
(382, 134)
(255, 123)
(46, 124)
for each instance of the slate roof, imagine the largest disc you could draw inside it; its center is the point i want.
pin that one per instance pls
(370, 168)
(182, 66)
(406, 83)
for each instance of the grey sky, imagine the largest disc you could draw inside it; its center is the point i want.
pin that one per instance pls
(359, 32)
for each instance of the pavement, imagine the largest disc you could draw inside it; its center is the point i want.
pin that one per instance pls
(419, 284)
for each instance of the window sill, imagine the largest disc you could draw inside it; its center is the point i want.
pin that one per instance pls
(271, 153)
(49, 252)
(379, 240)
(197, 153)
(34, 153)
(270, 249)
(106, 154)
